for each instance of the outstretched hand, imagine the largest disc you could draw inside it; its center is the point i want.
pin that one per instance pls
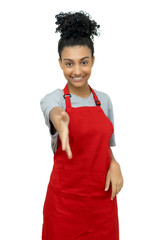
(64, 133)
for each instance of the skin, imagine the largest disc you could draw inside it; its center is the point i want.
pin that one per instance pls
(76, 66)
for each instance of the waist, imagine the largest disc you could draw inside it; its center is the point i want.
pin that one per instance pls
(79, 182)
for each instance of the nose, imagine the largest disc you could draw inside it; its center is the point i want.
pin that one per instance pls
(77, 70)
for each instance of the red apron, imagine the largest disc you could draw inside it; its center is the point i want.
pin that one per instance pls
(76, 206)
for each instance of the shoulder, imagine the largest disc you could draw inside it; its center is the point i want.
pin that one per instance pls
(50, 95)
(103, 97)
(55, 96)
(52, 99)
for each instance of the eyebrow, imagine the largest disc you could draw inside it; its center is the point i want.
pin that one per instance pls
(72, 60)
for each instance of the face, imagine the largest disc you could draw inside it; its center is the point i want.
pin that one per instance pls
(76, 64)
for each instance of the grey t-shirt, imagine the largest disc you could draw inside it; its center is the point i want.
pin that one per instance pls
(56, 99)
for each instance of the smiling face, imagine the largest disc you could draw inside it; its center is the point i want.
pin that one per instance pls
(76, 64)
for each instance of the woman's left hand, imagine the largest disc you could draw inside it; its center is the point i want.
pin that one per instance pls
(114, 176)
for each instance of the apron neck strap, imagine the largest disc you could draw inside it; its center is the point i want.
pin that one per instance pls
(67, 96)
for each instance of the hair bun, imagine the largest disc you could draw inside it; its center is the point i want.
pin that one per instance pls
(78, 24)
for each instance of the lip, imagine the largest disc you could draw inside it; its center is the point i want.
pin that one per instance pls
(78, 80)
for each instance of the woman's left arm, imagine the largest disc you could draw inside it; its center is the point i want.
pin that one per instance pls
(114, 176)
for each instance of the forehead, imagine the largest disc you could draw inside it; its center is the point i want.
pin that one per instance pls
(76, 52)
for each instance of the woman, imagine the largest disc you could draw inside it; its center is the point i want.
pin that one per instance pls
(81, 198)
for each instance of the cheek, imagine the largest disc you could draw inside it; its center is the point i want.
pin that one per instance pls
(67, 71)
(88, 70)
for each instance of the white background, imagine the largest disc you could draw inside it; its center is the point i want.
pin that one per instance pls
(124, 69)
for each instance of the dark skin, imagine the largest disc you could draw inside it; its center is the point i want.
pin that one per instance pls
(76, 63)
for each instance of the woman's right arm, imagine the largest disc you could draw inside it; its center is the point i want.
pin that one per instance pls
(60, 119)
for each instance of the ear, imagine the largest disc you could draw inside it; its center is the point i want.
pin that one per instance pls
(60, 63)
(93, 60)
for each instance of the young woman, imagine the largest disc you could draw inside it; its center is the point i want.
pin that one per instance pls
(81, 198)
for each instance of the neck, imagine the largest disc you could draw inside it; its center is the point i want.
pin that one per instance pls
(83, 91)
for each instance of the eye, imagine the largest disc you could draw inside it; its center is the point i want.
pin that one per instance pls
(85, 63)
(68, 64)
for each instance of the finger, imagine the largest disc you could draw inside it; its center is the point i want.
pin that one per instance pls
(68, 149)
(65, 116)
(69, 153)
(119, 187)
(114, 191)
(64, 141)
(107, 184)
(113, 195)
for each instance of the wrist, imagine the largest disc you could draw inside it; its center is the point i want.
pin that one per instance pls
(114, 162)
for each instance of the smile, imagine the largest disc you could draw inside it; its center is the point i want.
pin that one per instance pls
(78, 79)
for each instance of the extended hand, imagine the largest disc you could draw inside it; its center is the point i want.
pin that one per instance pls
(64, 134)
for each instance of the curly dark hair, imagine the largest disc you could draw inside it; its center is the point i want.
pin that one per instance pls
(76, 29)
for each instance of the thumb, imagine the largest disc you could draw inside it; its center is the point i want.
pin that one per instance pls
(65, 116)
(107, 184)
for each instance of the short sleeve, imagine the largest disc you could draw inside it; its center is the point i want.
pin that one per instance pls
(111, 117)
(49, 101)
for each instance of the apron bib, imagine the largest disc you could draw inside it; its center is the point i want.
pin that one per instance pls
(76, 206)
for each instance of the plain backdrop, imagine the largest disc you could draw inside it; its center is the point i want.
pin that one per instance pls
(29, 69)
